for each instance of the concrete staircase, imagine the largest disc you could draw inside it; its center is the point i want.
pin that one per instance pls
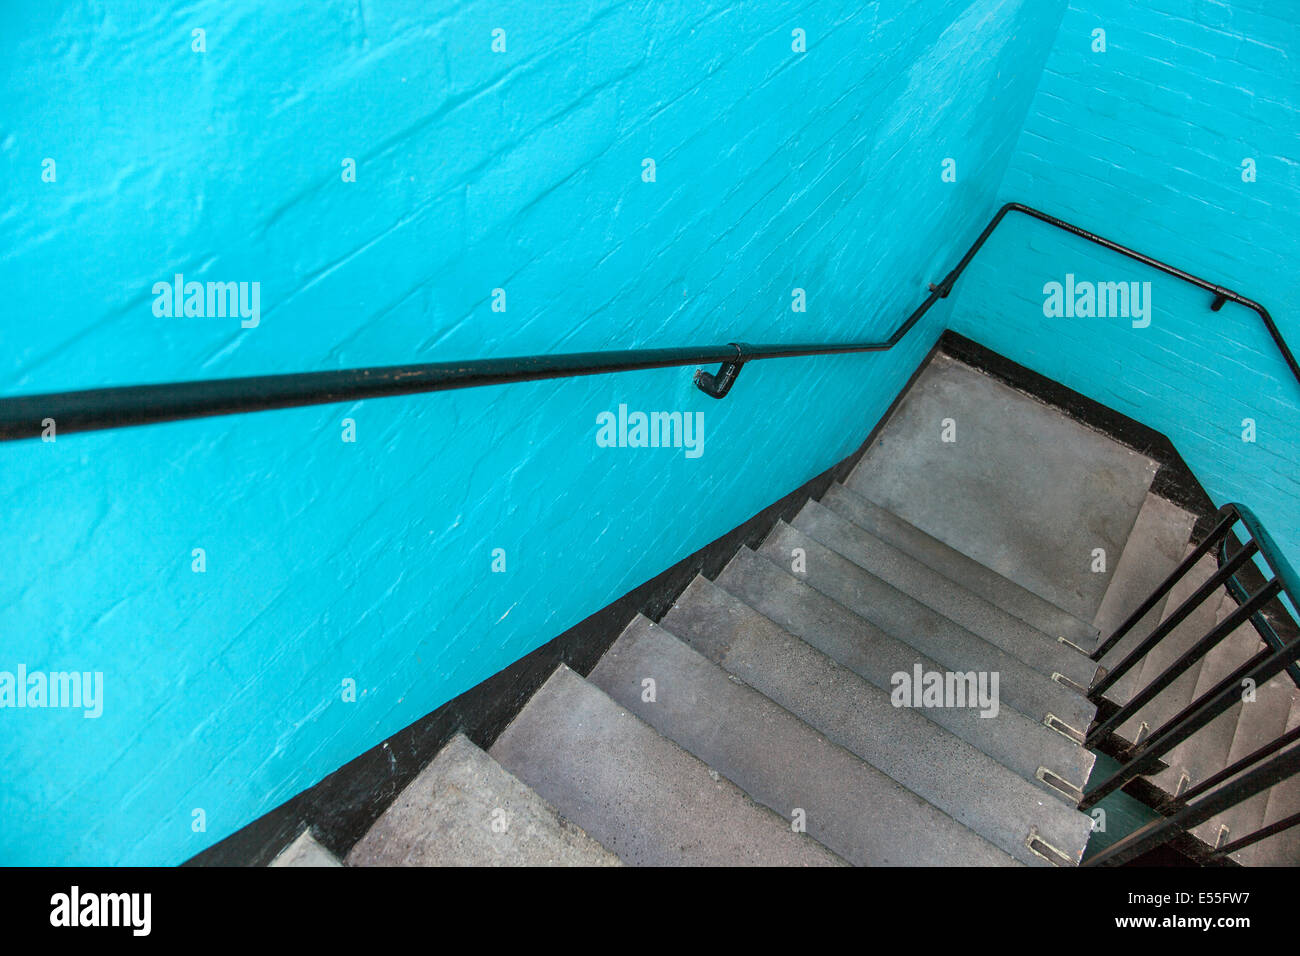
(761, 721)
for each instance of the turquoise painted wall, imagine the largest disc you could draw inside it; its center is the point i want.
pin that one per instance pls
(475, 170)
(1144, 143)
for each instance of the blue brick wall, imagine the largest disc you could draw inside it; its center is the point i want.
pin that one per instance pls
(475, 170)
(1144, 144)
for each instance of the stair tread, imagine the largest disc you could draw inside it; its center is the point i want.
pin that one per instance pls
(465, 809)
(1023, 489)
(1261, 722)
(965, 570)
(898, 569)
(1282, 849)
(953, 775)
(850, 807)
(1014, 740)
(1034, 694)
(637, 793)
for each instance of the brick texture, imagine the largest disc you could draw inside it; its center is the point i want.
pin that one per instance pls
(1144, 144)
(475, 170)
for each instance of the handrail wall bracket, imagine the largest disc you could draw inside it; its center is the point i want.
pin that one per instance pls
(717, 385)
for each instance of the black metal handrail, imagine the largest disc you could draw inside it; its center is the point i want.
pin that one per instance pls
(26, 416)
(1246, 777)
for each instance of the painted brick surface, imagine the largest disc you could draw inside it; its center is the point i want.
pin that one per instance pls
(1144, 144)
(475, 170)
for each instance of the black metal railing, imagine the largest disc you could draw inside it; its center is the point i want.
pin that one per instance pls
(28, 416)
(1248, 776)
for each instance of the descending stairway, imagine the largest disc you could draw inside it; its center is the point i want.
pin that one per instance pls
(758, 721)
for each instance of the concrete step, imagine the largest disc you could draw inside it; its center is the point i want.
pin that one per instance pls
(305, 851)
(1154, 548)
(896, 568)
(1262, 721)
(636, 792)
(465, 809)
(1205, 753)
(1177, 642)
(1012, 739)
(1021, 687)
(966, 571)
(848, 805)
(1283, 801)
(946, 771)
(1023, 489)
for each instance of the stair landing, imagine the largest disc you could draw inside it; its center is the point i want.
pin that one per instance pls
(1022, 489)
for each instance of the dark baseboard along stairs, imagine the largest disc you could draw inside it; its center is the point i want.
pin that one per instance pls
(754, 724)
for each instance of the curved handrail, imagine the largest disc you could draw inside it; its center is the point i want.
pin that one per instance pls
(1268, 548)
(26, 416)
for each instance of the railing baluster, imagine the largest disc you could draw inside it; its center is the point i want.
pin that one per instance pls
(1193, 717)
(1262, 623)
(1262, 833)
(1166, 626)
(1210, 783)
(1193, 654)
(1224, 525)
(1159, 831)
(1246, 776)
